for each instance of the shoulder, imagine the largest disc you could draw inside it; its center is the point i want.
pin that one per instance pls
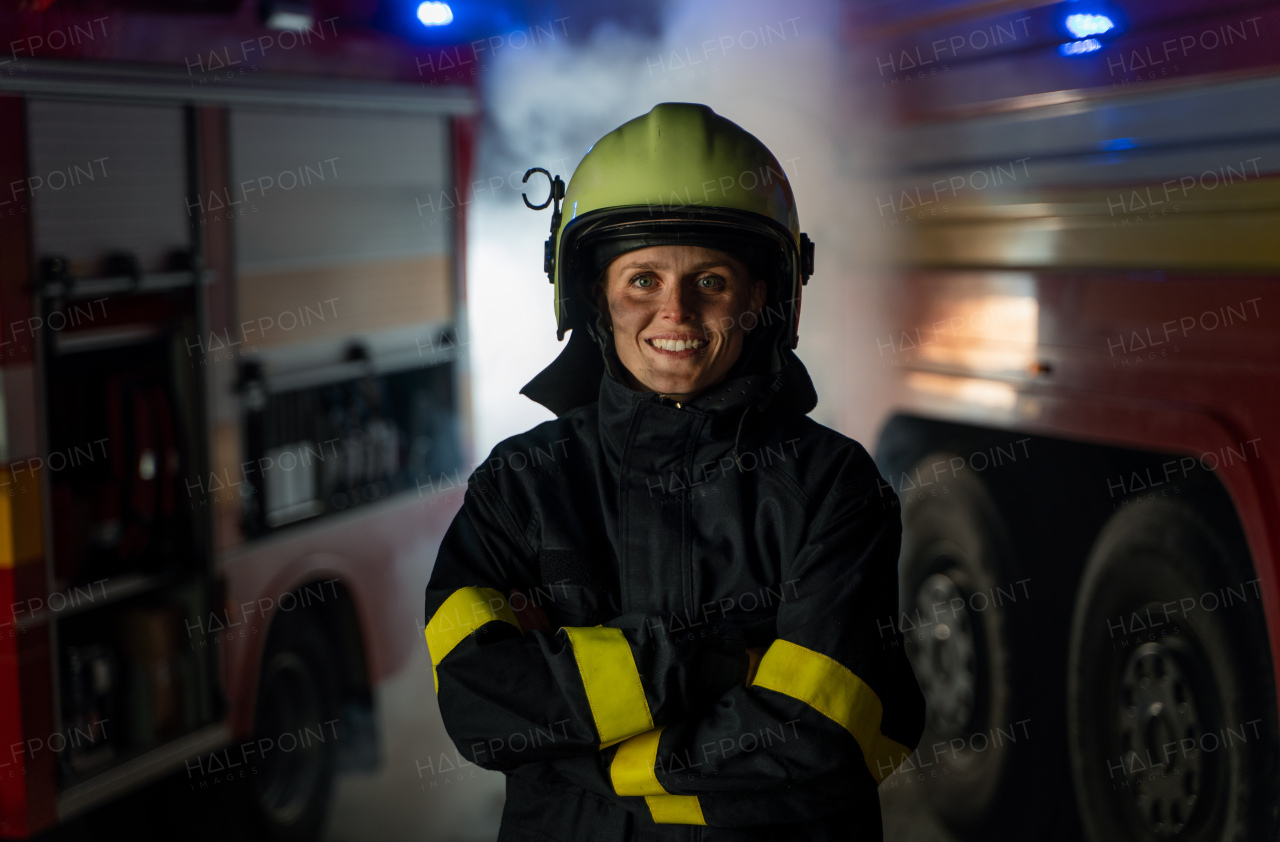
(540, 451)
(569, 428)
(824, 463)
(523, 471)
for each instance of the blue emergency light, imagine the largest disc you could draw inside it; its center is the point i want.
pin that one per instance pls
(435, 14)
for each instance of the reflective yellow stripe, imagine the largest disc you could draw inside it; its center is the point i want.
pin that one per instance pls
(675, 809)
(633, 769)
(612, 681)
(634, 772)
(466, 610)
(831, 689)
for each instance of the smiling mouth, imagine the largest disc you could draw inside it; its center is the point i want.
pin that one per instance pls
(677, 345)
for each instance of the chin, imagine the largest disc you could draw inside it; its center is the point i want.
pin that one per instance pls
(669, 385)
(667, 382)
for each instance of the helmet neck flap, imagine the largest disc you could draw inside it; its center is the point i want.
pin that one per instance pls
(679, 175)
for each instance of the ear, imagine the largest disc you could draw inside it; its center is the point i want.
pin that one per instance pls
(602, 301)
(759, 290)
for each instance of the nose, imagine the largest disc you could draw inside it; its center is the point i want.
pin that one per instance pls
(675, 304)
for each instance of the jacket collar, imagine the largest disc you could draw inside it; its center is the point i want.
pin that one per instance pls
(577, 377)
(573, 378)
(618, 401)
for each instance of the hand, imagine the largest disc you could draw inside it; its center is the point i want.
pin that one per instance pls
(755, 653)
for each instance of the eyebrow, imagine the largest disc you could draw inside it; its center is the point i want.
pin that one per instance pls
(650, 266)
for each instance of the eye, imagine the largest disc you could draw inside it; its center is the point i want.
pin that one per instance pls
(710, 282)
(643, 281)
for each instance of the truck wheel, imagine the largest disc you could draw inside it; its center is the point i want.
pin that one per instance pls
(295, 727)
(1171, 709)
(957, 603)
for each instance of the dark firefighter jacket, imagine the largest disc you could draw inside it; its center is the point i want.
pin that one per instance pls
(659, 540)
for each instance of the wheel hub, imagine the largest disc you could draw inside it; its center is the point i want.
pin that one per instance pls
(1157, 715)
(945, 659)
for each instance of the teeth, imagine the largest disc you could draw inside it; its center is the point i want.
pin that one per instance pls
(677, 344)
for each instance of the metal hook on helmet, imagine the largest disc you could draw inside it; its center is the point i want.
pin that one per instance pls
(530, 205)
(555, 194)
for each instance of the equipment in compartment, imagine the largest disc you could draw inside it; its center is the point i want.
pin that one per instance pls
(115, 437)
(90, 692)
(144, 468)
(336, 446)
(148, 637)
(135, 675)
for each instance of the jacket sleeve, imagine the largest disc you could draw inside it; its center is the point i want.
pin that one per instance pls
(834, 707)
(508, 697)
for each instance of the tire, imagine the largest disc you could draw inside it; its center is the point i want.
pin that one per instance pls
(960, 604)
(299, 699)
(1143, 676)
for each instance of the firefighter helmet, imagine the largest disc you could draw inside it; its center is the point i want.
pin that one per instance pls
(680, 174)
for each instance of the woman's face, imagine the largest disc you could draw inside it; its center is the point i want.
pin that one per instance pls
(677, 315)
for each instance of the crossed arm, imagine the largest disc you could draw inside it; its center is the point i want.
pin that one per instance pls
(684, 732)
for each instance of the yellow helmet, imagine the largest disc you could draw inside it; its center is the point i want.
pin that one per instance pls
(679, 174)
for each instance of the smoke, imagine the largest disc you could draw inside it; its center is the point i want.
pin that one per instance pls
(783, 71)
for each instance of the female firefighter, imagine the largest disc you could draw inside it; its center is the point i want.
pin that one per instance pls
(599, 605)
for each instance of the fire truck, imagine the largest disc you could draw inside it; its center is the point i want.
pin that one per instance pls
(231, 293)
(1084, 200)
